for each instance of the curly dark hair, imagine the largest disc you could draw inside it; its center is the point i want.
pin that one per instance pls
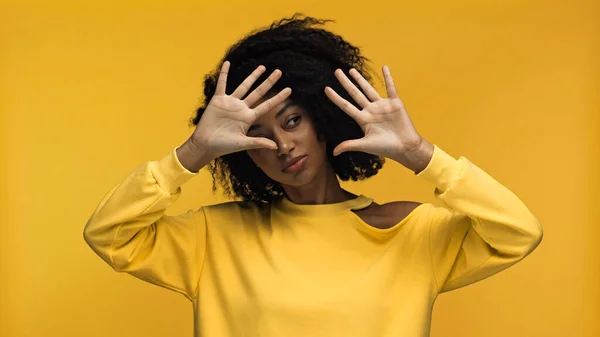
(307, 57)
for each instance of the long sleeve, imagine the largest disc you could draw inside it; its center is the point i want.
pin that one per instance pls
(482, 227)
(130, 231)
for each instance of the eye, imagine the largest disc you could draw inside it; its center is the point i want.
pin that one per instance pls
(295, 121)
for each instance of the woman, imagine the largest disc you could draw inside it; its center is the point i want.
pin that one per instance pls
(298, 255)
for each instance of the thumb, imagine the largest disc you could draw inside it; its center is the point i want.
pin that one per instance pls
(348, 145)
(252, 143)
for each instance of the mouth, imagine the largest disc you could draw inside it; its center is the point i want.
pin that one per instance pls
(294, 164)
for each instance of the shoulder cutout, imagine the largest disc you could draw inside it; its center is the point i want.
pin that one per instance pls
(387, 215)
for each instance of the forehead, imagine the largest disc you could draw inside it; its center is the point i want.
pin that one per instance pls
(277, 109)
(268, 96)
(275, 112)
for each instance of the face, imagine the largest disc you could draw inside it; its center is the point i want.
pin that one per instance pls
(292, 129)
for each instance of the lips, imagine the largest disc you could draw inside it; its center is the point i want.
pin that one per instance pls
(291, 162)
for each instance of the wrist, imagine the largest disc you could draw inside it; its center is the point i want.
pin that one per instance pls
(422, 156)
(417, 158)
(193, 155)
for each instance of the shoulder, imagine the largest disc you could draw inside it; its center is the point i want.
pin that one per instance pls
(399, 209)
(398, 206)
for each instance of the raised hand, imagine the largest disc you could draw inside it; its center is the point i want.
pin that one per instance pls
(227, 118)
(388, 129)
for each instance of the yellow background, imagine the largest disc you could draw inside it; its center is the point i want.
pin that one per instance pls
(91, 90)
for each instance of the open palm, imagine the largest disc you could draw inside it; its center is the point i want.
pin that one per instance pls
(388, 129)
(227, 118)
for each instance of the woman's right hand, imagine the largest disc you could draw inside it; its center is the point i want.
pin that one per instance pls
(223, 126)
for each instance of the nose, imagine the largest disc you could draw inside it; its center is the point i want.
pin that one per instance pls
(284, 142)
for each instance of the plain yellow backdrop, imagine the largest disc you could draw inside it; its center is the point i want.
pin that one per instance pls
(91, 90)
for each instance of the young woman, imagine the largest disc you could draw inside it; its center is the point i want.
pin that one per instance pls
(296, 254)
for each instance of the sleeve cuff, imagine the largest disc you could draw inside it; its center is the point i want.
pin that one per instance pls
(441, 170)
(170, 173)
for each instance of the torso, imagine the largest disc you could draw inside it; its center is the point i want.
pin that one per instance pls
(386, 215)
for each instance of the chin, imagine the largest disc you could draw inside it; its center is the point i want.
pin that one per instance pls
(301, 178)
(298, 181)
(312, 169)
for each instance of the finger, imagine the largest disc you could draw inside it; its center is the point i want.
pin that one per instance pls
(389, 83)
(243, 88)
(343, 104)
(349, 145)
(253, 143)
(271, 102)
(354, 92)
(222, 81)
(263, 88)
(364, 85)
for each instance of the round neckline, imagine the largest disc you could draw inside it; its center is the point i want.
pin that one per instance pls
(289, 207)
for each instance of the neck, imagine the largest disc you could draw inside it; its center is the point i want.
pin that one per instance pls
(323, 189)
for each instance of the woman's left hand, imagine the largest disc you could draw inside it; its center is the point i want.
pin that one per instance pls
(388, 129)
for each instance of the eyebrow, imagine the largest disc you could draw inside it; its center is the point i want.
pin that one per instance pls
(279, 113)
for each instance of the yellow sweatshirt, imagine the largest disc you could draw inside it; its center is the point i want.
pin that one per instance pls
(290, 270)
